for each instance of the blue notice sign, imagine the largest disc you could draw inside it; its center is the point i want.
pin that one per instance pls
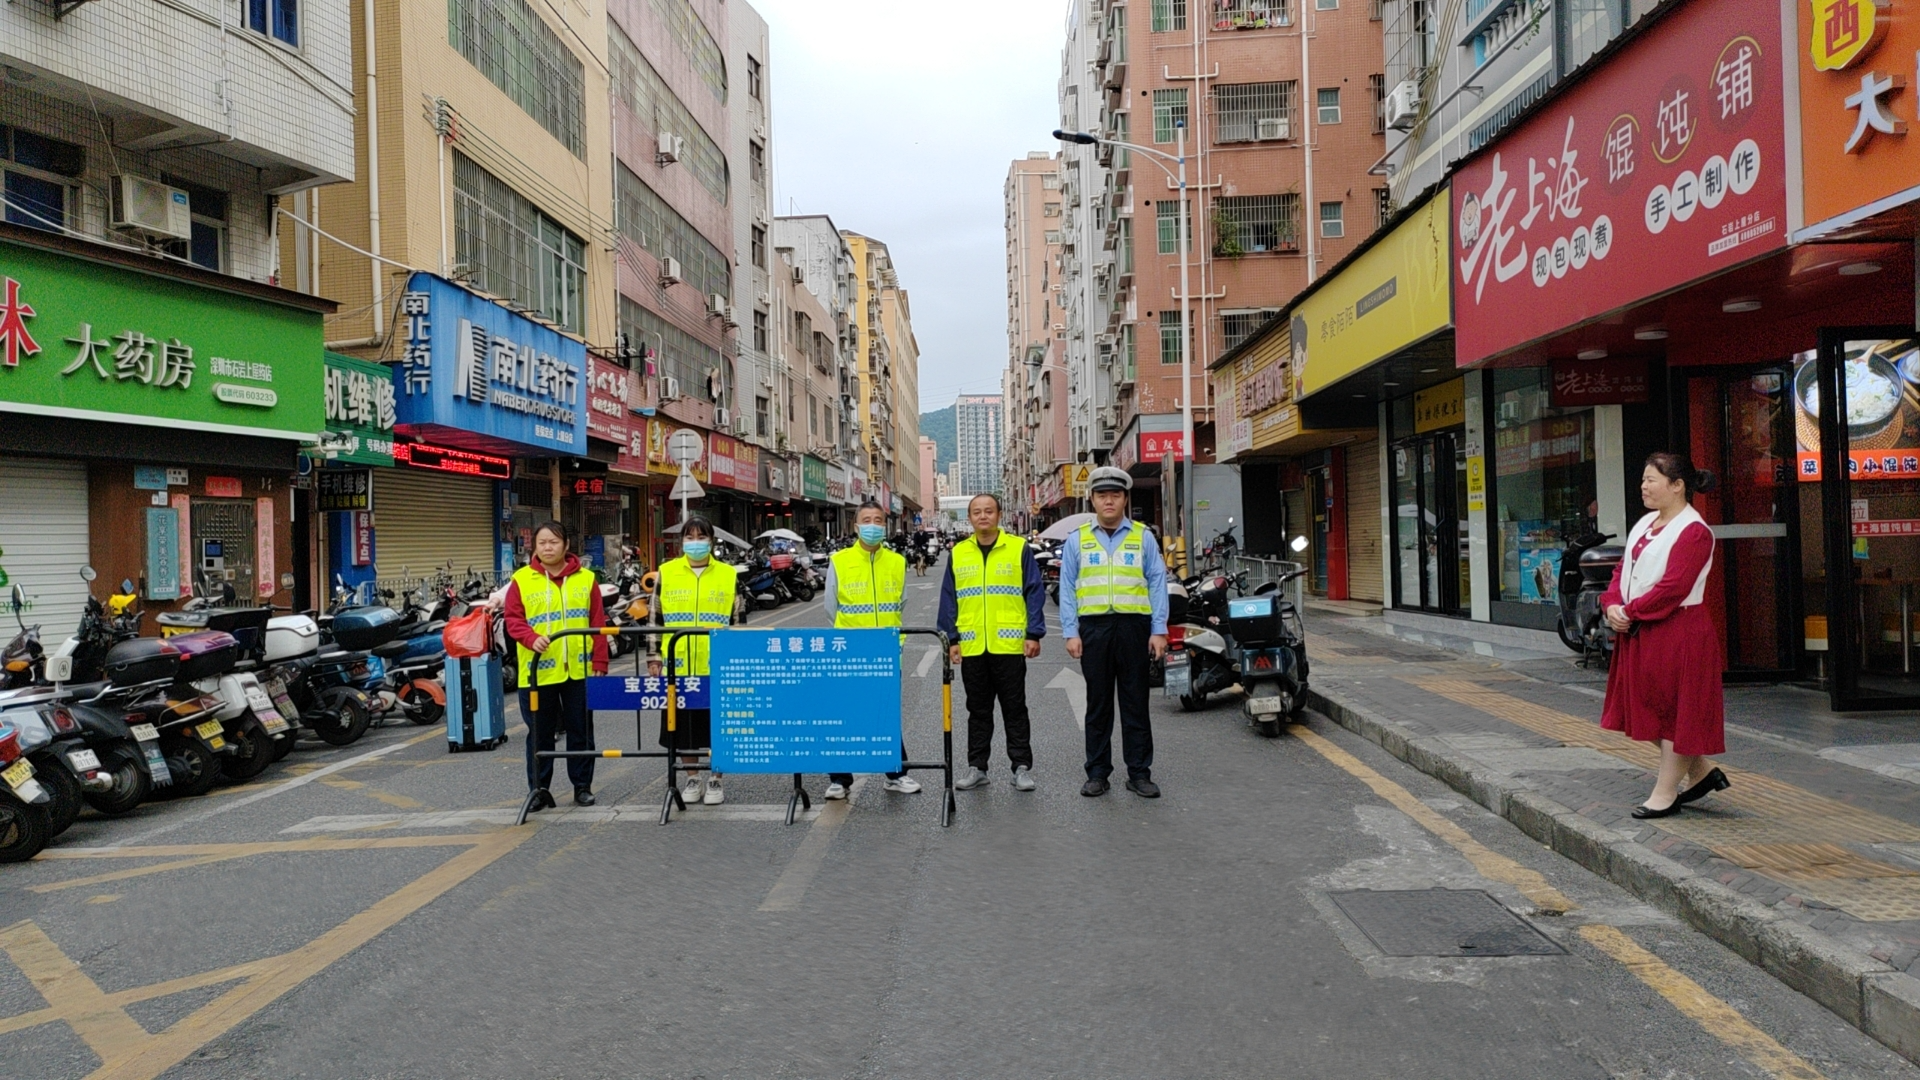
(805, 700)
(643, 693)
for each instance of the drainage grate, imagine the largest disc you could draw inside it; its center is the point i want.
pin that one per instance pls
(1441, 922)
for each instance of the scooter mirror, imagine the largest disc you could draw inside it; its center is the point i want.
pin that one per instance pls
(87, 574)
(59, 669)
(18, 597)
(286, 581)
(1299, 544)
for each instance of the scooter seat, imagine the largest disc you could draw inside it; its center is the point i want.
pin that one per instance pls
(391, 649)
(433, 627)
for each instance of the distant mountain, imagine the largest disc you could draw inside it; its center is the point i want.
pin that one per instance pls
(938, 426)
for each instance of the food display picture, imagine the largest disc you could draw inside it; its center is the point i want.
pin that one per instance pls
(1882, 379)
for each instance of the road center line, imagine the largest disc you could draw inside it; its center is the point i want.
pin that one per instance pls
(791, 887)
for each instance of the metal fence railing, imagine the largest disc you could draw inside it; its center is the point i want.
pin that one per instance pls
(1264, 568)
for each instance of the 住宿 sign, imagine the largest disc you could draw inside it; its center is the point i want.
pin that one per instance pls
(473, 368)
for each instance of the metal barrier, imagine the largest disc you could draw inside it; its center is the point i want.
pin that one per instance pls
(798, 800)
(1261, 569)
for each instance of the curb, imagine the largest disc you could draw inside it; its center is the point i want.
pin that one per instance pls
(1870, 995)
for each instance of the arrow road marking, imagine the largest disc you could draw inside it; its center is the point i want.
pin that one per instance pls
(1076, 687)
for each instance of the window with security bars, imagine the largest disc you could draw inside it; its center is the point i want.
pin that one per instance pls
(1170, 337)
(1169, 111)
(1251, 224)
(677, 354)
(1377, 93)
(514, 251)
(1123, 246)
(642, 90)
(1169, 15)
(519, 53)
(1253, 111)
(1238, 326)
(1167, 219)
(685, 27)
(1251, 14)
(644, 217)
(1119, 132)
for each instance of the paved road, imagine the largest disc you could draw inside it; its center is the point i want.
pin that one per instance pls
(364, 913)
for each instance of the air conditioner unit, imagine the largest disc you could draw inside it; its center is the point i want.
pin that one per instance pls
(670, 148)
(151, 207)
(727, 320)
(763, 298)
(716, 304)
(1403, 105)
(670, 271)
(799, 276)
(742, 426)
(722, 418)
(759, 215)
(669, 388)
(1267, 129)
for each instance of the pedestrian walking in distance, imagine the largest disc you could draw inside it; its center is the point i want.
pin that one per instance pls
(1664, 683)
(993, 609)
(696, 593)
(866, 588)
(1113, 614)
(553, 592)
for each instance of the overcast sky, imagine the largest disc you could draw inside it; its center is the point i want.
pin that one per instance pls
(899, 118)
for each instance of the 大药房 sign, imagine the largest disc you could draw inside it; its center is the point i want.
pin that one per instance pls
(805, 699)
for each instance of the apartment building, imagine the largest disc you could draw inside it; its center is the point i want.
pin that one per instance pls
(763, 380)
(931, 479)
(824, 267)
(1085, 262)
(883, 339)
(979, 429)
(903, 488)
(1036, 370)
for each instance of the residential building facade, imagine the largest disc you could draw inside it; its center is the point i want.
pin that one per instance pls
(980, 432)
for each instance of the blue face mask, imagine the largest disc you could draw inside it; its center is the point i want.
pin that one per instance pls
(697, 549)
(872, 534)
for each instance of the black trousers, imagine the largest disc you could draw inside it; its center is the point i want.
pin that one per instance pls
(561, 705)
(1113, 657)
(988, 677)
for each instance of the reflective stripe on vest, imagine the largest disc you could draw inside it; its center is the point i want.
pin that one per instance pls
(870, 591)
(551, 608)
(1112, 583)
(992, 596)
(690, 601)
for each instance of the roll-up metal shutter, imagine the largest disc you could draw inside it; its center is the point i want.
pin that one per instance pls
(43, 544)
(423, 519)
(1299, 523)
(1363, 522)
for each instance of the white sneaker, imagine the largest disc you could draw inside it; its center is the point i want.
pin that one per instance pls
(906, 785)
(695, 789)
(714, 796)
(1023, 779)
(834, 792)
(970, 778)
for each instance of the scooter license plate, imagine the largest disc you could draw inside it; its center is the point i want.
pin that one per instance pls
(1265, 705)
(83, 760)
(1179, 676)
(282, 701)
(20, 772)
(146, 733)
(264, 711)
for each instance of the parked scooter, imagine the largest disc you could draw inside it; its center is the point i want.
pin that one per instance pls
(1586, 569)
(1256, 641)
(24, 828)
(1207, 661)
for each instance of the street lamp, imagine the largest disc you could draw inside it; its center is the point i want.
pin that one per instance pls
(1179, 158)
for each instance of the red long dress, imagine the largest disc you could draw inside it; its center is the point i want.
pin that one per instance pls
(1665, 678)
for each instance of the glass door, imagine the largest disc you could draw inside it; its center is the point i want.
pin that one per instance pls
(1406, 526)
(1759, 514)
(1431, 562)
(1319, 502)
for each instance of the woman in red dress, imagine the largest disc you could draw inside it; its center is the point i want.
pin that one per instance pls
(1664, 684)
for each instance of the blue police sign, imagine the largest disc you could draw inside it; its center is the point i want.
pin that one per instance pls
(805, 699)
(643, 693)
(471, 367)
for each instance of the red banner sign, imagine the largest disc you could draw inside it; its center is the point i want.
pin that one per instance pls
(1667, 164)
(607, 396)
(1579, 383)
(1157, 444)
(1890, 527)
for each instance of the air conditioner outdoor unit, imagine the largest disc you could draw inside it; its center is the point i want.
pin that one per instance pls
(1403, 105)
(670, 148)
(742, 426)
(722, 418)
(759, 215)
(799, 276)
(763, 298)
(1267, 129)
(716, 304)
(151, 207)
(670, 271)
(669, 388)
(726, 318)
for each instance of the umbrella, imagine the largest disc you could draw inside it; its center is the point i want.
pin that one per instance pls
(1065, 527)
(719, 534)
(782, 534)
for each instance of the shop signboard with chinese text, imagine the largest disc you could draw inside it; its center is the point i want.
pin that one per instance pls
(1442, 406)
(1581, 383)
(90, 341)
(608, 416)
(813, 474)
(360, 410)
(733, 463)
(1392, 296)
(1664, 165)
(473, 372)
(660, 434)
(452, 460)
(1155, 445)
(1859, 124)
(343, 489)
(805, 700)
(1883, 424)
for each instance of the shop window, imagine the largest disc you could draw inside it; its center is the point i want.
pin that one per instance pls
(1544, 483)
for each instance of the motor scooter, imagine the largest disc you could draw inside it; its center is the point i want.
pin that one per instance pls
(1586, 569)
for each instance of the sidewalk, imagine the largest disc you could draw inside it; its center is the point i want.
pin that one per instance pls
(1809, 865)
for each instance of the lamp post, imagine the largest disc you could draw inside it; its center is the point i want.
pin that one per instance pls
(1179, 158)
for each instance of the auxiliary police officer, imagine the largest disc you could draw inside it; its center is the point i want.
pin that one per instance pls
(1113, 613)
(993, 609)
(696, 593)
(867, 588)
(553, 592)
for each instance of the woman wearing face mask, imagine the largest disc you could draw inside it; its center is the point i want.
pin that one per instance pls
(1664, 683)
(696, 593)
(553, 592)
(867, 588)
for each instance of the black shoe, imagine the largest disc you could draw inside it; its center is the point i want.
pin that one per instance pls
(1093, 788)
(1645, 812)
(581, 797)
(1714, 781)
(541, 800)
(1143, 787)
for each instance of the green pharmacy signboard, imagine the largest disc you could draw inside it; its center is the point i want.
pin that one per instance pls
(359, 409)
(92, 341)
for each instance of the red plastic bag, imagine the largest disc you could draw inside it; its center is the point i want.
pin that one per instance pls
(470, 635)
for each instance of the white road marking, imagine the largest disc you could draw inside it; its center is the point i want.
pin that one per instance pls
(926, 661)
(1070, 680)
(566, 815)
(791, 886)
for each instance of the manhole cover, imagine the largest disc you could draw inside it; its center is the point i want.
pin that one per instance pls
(1441, 922)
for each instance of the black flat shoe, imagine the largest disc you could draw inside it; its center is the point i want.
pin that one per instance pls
(1093, 787)
(1712, 782)
(1645, 812)
(541, 800)
(583, 797)
(1143, 787)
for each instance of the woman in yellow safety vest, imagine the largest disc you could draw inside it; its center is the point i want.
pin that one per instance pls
(553, 592)
(696, 593)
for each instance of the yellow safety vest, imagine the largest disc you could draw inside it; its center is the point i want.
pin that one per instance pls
(992, 596)
(870, 591)
(550, 609)
(690, 601)
(1113, 583)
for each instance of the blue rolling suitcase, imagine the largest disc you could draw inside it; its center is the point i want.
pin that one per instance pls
(476, 709)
